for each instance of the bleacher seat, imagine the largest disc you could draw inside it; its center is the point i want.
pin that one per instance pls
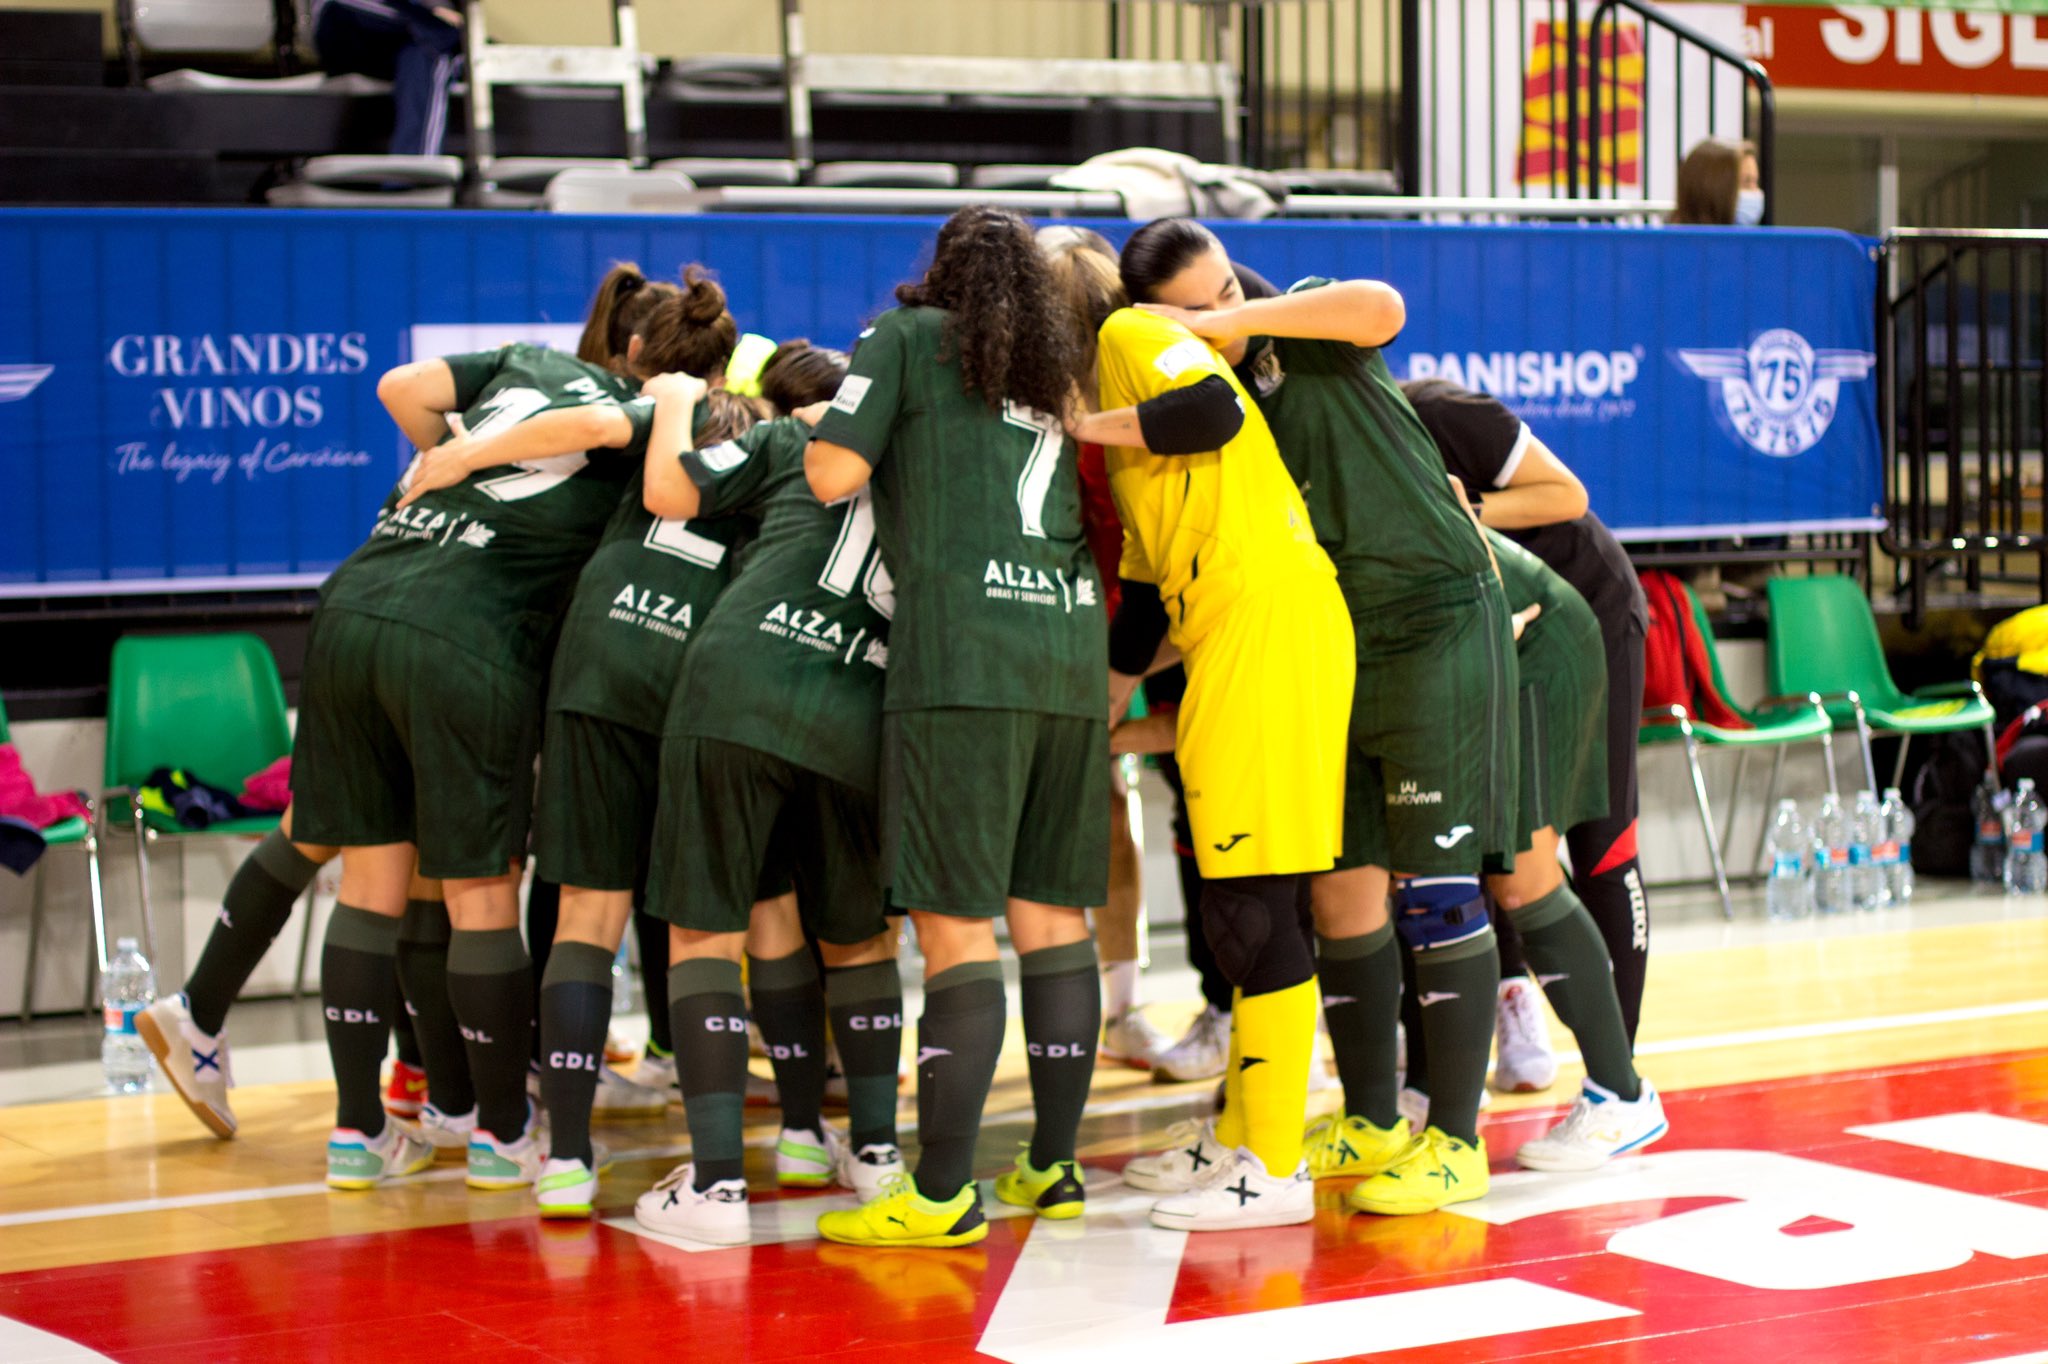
(199, 25)
(885, 175)
(716, 172)
(372, 182)
(522, 181)
(620, 191)
(1013, 177)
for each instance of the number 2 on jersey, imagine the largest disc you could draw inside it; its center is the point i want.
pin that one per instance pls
(508, 407)
(671, 536)
(1036, 481)
(855, 551)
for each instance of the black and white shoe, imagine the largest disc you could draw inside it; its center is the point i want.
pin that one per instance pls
(1238, 1194)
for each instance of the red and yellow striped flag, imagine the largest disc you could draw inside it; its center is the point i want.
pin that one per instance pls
(1546, 104)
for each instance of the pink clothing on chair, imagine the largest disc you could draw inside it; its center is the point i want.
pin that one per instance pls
(20, 799)
(270, 789)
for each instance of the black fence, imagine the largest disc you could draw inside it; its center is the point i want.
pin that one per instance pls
(1962, 390)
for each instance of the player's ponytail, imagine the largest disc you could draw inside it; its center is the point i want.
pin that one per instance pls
(725, 415)
(1160, 250)
(1084, 272)
(607, 311)
(799, 374)
(689, 332)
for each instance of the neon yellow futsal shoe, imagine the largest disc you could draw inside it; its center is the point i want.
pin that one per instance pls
(1054, 1192)
(1436, 1171)
(904, 1217)
(1342, 1145)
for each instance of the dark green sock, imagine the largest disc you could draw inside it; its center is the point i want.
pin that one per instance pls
(1457, 987)
(786, 999)
(254, 911)
(1569, 957)
(423, 975)
(708, 1018)
(959, 1037)
(866, 1006)
(1062, 1010)
(359, 995)
(1361, 984)
(404, 1039)
(490, 983)
(575, 1014)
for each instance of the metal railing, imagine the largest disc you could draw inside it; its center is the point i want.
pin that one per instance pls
(1961, 393)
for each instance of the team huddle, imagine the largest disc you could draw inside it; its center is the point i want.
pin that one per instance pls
(823, 646)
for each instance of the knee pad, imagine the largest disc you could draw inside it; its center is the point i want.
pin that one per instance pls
(1236, 922)
(1433, 912)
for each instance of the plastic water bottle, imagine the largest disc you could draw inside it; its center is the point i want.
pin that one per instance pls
(1789, 893)
(1987, 854)
(128, 988)
(1895, 851)
(2026, 865)
(1867, 887)
(1831, 893)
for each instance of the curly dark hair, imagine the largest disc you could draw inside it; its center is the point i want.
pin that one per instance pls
(1006, 321)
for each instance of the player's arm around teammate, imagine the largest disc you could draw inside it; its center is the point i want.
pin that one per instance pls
(1429, 781)
(994, 734)
(1219, 556)
(768, 767)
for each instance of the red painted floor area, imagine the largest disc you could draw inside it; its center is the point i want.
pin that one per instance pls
(1800, 1240)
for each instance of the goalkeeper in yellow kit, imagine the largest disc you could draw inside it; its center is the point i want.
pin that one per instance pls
(1220, 560)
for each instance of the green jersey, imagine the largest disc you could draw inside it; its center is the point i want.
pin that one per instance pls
(792, 660)
(1531, 582)
(636, 604)
(488, 564)
(978, 513)
(1374, 483)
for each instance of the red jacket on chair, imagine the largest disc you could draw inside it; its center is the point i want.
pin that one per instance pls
(1678, 669)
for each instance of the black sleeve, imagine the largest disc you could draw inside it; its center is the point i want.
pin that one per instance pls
(1188, 421)
(1254, 284)
(1137, 628)
(1480, 438)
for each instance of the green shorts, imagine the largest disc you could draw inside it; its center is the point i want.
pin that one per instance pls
(1429, 784)
(983, 806)
(403, 739)
(736, 826)
(1563, 665)
(594, 815)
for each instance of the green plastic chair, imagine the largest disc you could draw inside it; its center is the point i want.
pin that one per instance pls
(211, 704)
(1823, 639)
(1779, 723)
(79, 831)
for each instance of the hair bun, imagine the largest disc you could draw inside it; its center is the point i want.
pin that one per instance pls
(703, 299)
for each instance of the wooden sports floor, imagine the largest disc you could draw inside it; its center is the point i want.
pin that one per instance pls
(1857, 1169)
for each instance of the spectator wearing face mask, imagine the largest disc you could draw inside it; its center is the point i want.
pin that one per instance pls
(1719, 185)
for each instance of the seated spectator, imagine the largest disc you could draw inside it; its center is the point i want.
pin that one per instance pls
(1719, 185)
(418, 48)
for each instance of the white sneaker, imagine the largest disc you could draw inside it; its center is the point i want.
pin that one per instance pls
(835, 1076)
(618, 1097)
(1523, 1062)
(1238, 1194)
(1193, 1155)
(805, 1159)
(194, 1062)
(355, 1161)
(447, 1133)
(1202, 1052)
(1322, 1066)
(717, 1216)
(1600, 1126)
(659, 1072)
(495, 1164)
(1131, 1039)
(1413, 1105)
(566, 1188)
(864, 1171)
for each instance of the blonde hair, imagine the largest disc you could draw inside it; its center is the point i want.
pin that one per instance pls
(1084, 274)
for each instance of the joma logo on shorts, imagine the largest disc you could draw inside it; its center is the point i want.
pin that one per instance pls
(1410, 794)
(658, 605)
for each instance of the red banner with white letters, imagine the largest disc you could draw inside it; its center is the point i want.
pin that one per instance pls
(1806, 47)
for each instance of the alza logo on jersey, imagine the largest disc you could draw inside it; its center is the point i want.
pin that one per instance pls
(804, 625)
(1410, 793)
(1005, 580)
(421, 522)
(653, 605)
(1780, 396)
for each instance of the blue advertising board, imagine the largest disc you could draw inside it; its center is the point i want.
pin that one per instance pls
(188, 397)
